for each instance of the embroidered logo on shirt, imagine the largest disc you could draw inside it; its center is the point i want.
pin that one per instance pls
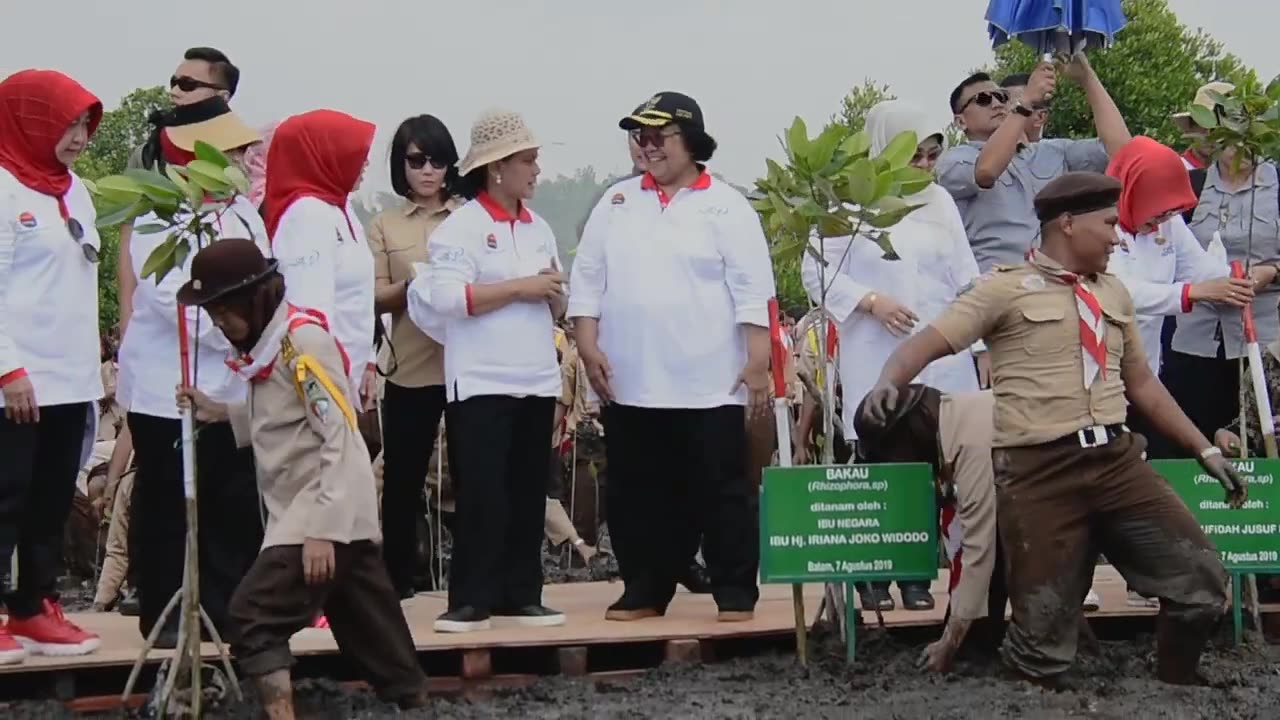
(618, 199)
(491, 241)
(27, 220)
(317, 399)
(1032, 282)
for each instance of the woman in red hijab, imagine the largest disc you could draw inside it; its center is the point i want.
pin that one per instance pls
(317, 159)
(49, 361)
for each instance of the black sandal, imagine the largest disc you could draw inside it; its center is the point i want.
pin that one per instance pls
(916, 597)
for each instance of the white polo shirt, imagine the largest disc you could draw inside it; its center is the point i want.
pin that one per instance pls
(1159, 269)
(150, 366)
(48, 294)
(327, 267)
(508, 351)
(671, 280)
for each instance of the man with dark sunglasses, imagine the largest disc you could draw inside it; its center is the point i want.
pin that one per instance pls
(994, 177)
(203, 73)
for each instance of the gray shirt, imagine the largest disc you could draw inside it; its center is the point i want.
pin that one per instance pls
(1208, 325)
(1001, 221)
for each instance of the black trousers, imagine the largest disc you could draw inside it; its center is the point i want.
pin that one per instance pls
(410, 421)
(274, 602)
(39, 463)
(681, 474)
(499, 460)
(1207, 389)
(229, 513)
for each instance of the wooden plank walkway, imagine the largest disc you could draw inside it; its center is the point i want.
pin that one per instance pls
(689, 617)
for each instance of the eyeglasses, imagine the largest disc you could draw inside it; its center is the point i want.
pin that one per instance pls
(189, 84)
(986, 98)
(417, 161)
(76, 230)
(656, 138)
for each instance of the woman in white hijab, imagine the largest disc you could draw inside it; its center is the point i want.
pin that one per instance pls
(877, 303)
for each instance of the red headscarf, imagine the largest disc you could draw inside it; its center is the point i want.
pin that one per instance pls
(317, 154)
(36, 108)
(1155, 182)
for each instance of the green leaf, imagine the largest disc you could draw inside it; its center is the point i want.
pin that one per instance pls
(890, 218)
(118, 189)
(238, 179)
(212, 155)
(857, 144)
(122, 214)
(882, 240)
(207, 175)
(156, 186)
(1204, 117)
(821, 150)
(1273, 89)
(150, 228)
(862, 182)
(900, 150)
(834, 226)
(798, 139)
(912, 180)
(90, 185)
(161, 260)
(789, 251)
(180, 253)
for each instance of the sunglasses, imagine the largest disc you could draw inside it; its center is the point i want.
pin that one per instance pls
(656, 138)
(986, 98)
(76, 231)
(417, 161)
(189, 84)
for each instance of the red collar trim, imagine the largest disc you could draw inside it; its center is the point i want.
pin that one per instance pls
(499, 213)
(647, 182)
(1191, 157)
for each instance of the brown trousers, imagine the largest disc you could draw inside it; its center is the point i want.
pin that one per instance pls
(273, 602)
(1059, 506)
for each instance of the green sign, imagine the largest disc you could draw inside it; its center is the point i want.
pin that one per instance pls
(848, 522)
(1249, 537)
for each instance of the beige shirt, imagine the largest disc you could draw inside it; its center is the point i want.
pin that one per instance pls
(313, 466)
(398, 239)
(965, 433)
(1032, 329)
(573, 394)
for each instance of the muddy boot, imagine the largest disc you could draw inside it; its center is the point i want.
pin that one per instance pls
(1178, 648)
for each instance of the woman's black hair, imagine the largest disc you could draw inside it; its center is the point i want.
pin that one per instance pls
(432, 138)
(700, 145)
(469, 186)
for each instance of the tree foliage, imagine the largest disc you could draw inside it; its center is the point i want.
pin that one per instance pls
(121, 131)
(1152, 71)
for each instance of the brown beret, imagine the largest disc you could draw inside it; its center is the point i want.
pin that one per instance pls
(1077, 193)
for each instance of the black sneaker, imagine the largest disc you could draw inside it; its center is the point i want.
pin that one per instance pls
(695, 579)
(464, 619)
(532, 616)
(916, 596)
(128, 606)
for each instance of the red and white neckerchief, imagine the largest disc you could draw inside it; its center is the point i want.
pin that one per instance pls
(268, 348)
(1093, 326)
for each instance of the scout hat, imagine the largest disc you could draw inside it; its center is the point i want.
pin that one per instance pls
(1183, 119)
(1077, 193)
(495, 135)
(663, 109)
(212, 121)
(222, 268)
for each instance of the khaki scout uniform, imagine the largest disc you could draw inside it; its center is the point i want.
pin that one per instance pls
(317, 483)
(580, 449)
(1070, 479)
(414, 396)
(969, 518)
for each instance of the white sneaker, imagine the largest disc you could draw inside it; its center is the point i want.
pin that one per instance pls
(1092, 601)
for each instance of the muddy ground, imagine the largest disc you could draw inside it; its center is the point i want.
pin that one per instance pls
(1118, 684)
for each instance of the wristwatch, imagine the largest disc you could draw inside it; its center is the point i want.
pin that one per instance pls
(1023, 110)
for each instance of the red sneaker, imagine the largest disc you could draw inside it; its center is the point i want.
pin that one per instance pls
(11, 651)
(51, 633)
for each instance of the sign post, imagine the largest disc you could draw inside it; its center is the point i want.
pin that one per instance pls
(848, 524)
(1248, 538)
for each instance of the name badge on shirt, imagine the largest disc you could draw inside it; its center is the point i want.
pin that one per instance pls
(491, 242)
(28, 221)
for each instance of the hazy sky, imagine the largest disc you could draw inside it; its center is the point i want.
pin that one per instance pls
(572, 67)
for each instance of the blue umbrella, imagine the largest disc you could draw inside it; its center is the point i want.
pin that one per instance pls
(1054, 26)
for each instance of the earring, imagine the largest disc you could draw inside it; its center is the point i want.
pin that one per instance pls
(497, 178)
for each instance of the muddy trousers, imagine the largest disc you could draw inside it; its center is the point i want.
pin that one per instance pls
(677, 475)
(500, 462)
(230, 531)
(39, 464)
(1059, 505)
(410, 422)
(274, 602)
(115, 560)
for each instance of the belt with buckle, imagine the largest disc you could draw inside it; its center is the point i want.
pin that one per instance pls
(1098, 435)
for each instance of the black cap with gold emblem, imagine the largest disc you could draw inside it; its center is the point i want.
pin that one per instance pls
(663, 109)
